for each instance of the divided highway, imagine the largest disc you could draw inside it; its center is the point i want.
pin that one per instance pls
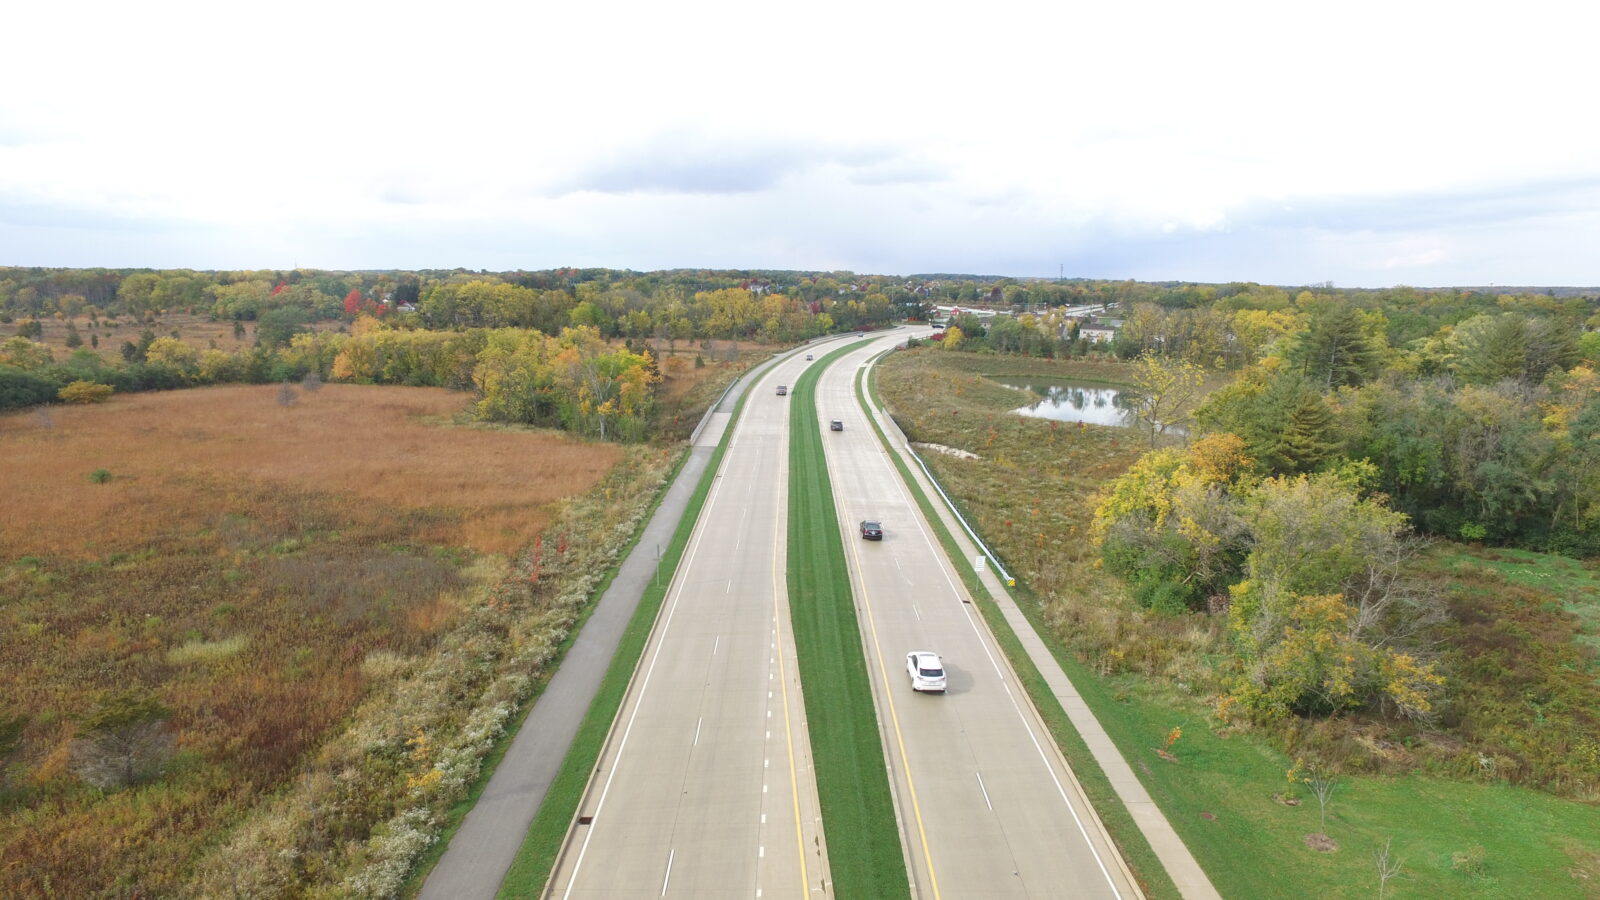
(705, 788)
(987, 805)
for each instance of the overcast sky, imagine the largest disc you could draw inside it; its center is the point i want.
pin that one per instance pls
(1363, 143)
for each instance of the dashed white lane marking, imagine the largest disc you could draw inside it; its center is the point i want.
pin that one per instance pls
(761, 852)
(984, 789)
(715, 645)
(697, 723)
(763, 818)
(668, 877)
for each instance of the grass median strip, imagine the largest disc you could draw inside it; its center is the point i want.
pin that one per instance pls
(863, 837)
(537, 855)
(1130, 841)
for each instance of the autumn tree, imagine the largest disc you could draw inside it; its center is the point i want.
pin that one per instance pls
(1309, 568)
(1170, 527)
(1167, 389)
(173, 354)
(24, 354)
(1323, 615)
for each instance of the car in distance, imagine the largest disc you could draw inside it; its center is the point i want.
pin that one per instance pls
(926, 671)
(808, 357)
(871, 530)
(783, 390)
(835, 424)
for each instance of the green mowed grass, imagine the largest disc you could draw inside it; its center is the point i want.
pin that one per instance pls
(1221, 797)
(536, 857)
(863, 837)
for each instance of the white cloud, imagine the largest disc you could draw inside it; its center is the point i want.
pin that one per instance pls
(1003, 138)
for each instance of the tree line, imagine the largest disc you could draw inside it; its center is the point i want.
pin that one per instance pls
(574, 380)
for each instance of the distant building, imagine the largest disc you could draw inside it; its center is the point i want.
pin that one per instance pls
(1095, 331)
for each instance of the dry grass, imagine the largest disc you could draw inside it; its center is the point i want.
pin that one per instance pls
(686, 389)
(1031, 493)
(482, 488)
(260, 569)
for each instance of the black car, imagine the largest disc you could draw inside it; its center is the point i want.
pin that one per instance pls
(835, 425)
(871, 531)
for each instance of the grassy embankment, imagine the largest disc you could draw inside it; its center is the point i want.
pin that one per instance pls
(1029, 496)
(1130, 841)
(864, 852)
(536, 857)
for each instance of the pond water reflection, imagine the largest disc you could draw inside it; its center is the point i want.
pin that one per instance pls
(1067, 401)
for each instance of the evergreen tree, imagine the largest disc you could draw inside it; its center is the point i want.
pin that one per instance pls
(1335, 350)
(1306, 439)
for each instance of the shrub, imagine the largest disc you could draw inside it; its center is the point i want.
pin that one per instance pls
(100, 476)
(125, 740)
(19, 388)
(85, 392)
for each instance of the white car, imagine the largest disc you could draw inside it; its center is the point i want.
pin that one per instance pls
(926, 671)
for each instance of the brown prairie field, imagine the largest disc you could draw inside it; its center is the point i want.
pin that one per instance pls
(239, 563)
(177, 459)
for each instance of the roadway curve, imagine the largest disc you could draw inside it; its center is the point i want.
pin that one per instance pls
(705, 787)
(987, 805)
